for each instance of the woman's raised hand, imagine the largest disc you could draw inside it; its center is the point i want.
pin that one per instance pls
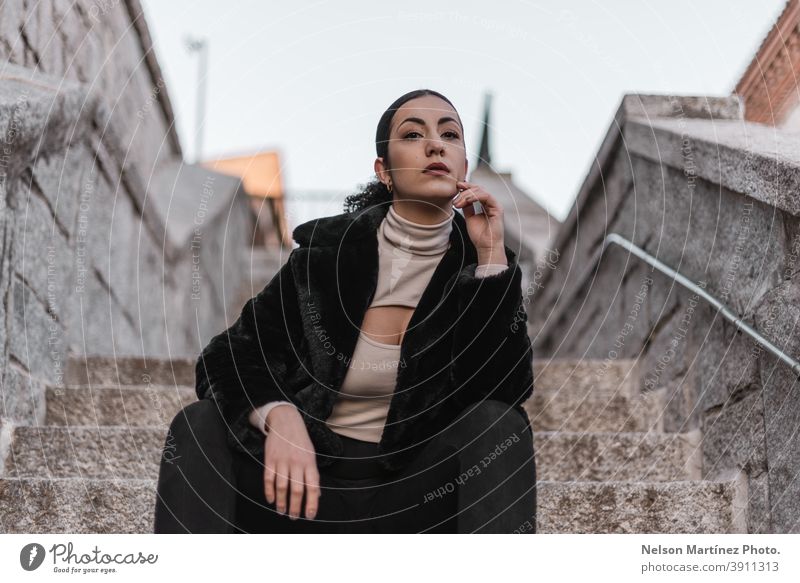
(486, 229)
(290, 464)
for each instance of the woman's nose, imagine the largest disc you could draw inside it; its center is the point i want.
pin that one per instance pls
(435, 145)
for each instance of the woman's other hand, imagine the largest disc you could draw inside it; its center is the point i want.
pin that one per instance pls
(290, 464)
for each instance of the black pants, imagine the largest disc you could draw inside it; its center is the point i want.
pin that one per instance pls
(478, 475)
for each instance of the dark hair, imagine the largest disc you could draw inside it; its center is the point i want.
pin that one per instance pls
(375, 191)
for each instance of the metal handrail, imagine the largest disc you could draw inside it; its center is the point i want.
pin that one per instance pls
(726, 312)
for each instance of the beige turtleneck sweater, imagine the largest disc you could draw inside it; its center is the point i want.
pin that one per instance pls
(408, 253)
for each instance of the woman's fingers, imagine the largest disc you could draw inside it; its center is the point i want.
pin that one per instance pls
(296, 489)
(468, 198)
(472, 195)
(312, 490)
(281, 487)
(290, 466)
(269, 482)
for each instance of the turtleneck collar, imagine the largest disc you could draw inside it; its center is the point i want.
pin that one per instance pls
(416, 238)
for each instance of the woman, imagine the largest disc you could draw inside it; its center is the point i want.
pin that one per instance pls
(376, 383)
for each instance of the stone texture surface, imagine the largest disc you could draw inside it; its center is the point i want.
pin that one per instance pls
(684, 107)
(130, 451)
(128, 406)
(24, 397)
(734, 437)
(94, 43)
(85, 452)
(781, 423)
(759, 513)
(76, 505)
(29, 331)
(129, 370)
(566, 411)
(616, 457)
(127, 506)
(727, 362)
(613, 378)
(746, 157)
(59, 176)
(625, 507)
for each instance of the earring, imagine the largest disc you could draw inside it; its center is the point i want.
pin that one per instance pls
(389, 186)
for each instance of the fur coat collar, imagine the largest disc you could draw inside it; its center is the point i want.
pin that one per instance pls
(467, 339)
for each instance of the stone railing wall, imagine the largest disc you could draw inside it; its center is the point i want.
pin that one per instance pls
(715, 198)
(90, 261)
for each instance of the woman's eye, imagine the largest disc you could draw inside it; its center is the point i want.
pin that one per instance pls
(454, 135)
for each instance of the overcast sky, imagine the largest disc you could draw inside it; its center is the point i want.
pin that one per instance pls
(311, 79)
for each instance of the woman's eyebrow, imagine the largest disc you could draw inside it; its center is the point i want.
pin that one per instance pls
(422, 122)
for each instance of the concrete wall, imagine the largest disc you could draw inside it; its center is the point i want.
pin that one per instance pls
(715, 198)
(100, 43)
(89, 261)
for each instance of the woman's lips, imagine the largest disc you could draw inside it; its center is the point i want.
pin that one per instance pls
(436, 172)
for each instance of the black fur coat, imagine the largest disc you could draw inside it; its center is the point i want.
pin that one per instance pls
(467, 340)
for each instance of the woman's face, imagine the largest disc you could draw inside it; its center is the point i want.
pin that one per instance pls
(424, 130)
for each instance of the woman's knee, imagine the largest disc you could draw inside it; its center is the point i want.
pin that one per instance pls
(198, 422)
(199, 413)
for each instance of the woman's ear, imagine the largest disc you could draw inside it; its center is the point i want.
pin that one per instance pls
(381, 171)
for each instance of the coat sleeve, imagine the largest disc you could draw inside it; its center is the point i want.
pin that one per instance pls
(492, 353)
(244, 367)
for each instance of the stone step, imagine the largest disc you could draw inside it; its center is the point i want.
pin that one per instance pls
(135, 452)
(128, 406)
(592, 396)
(85, 452)
(578, 377)
(563, 410)
(108, 391)
(37, 505)
(115, 371)
(680, 507)
(619, 377)
(156, 406)
(629, 457)
(76, 505)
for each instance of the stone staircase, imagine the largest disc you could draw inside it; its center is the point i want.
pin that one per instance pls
(603, 463)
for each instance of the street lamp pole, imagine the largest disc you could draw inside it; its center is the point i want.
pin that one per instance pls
(200, 46)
